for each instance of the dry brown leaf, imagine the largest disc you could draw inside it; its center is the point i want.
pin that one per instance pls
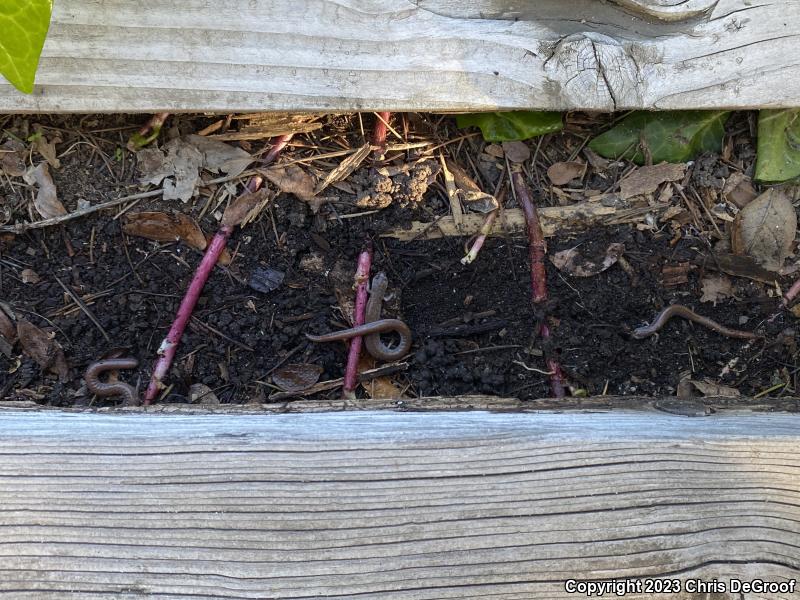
(708, 388)
(165, 227)
(293, 180)
(7, 329)
(178, 164)
(200, 392)
(572, 262)
(495, 150)
(380, 387)
(47, 149)
(765, 229)
(219, 156)
(12, 158)
(645, 180)
(42, 348)
(29, 276)
(716, 288)
(345, 168)
(240, 207)
(296, 377)
(46, 203)
(461, 178)
(739, 190)
(561, 173)
(516, 152)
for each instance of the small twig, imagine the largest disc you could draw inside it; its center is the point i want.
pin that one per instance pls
(23, 227)
(77, 300)
(209, 328)
(359, 315)
(334, 383)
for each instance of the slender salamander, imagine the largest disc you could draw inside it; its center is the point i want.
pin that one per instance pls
(373, 327)
(678, 310)
(118, 388)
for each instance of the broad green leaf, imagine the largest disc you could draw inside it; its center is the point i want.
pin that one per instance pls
(512, 126)
(23, 28)
(778, 157)
(675, 136)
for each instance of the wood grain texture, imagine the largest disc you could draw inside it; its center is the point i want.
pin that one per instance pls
(447, 55)
(382, 505)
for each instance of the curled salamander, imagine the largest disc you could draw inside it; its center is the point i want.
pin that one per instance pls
(117, 388)
(678, 310)
(373, 327)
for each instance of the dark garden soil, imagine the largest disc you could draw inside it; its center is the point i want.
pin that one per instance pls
(474, 326)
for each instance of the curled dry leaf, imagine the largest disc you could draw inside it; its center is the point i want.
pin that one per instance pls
(296, 377)
(7, 329)
(165, 227)
(739, 190)
(716, 288)
(479, 202)
(42, 348)
(516, 152)
(561, 173)
(765, 229)
(294, 180)
(178, 164)
(240, 207)
(645, 180)
(29, 276)
(46, 203)
(572, 262)
(201, 393)
(710, 389)
(47, 149)
(12, 158)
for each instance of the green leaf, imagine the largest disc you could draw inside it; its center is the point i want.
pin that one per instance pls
(778, 156)
(675, 136)
(512, 126)
(24, 25)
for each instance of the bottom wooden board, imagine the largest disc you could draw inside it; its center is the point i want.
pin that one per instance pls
(394, 505)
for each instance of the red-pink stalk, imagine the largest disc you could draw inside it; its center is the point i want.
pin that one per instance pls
(214, 249)
(359, 314)
(379, 133)
(792, 293)
(170, 344)
(477, 242)
(278, 145)
(537, 250)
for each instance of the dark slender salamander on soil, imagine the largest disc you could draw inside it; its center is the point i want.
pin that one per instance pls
(678, 310)
(373, 327)
(118, 388)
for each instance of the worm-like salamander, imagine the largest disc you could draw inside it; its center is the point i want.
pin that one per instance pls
(118, 388)
(373, 327)
(678, 310)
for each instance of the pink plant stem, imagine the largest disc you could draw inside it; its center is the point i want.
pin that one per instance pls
(792, 293)
(379, 133)
(537, 249)
(477, 244)
(169, 346)
(278, 145)
(359, 314)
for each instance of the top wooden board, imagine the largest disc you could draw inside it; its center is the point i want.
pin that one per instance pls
(445, 55)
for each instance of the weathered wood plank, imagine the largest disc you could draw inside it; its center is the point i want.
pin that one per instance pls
(381, 505)
(450, 55)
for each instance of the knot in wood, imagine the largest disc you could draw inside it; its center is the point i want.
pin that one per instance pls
(597, 70)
